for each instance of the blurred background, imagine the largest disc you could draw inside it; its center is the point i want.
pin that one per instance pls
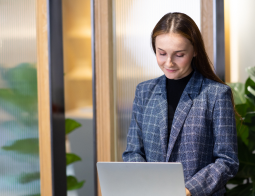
(226, 26)
(19, 149)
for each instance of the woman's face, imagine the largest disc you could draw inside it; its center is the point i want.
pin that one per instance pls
(174, 54)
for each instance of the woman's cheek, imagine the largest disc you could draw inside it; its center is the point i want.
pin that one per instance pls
(179, 61)
(183, 62)
(160, 59)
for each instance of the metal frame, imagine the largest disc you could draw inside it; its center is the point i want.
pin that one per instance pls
(92, 5)
(219, 38)
(55, 43)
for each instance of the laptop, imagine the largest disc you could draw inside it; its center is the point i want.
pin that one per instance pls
(141, 179)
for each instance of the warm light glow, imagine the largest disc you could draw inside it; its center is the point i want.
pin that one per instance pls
(234, 61)
(241, 38)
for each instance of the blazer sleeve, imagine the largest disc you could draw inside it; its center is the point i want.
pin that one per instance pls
(135, 149)
(214, 176)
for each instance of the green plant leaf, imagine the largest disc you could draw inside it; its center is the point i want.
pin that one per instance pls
(243, 133)
(245, 155)
(242, 109)
(249, 117)
(249, 87)
(245, 171)
(71, 158)
(26, 103)
(238, 92)
(236, 180)
(24, 109)
(251, 90)
(24, 146)
(246, 160)
(251, 141)
(249, 120)
(71, 125)
(20, 94)
(22, 78)
(250, 84)
(246, 136)
(73, 184)
(241, 190)
(253, 189)
(28, 177)
(251, 72)
(250, 101)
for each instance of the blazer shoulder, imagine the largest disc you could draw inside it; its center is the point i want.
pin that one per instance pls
(215, 87)
(148, 86)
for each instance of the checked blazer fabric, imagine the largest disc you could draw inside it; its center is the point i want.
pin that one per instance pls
(203, 133)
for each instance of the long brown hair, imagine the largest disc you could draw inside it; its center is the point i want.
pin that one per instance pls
(182, 24)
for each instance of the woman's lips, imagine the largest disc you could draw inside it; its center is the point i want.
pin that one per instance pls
(171, 70)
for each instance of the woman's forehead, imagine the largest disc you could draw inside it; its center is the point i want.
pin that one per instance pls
(172, 41)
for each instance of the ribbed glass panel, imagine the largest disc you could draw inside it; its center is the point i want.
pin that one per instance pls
(133, 22)
(19, 149)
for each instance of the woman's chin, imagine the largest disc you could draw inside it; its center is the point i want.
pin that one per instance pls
(172, 76)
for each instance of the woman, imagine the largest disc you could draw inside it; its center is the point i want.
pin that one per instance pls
(186, 115)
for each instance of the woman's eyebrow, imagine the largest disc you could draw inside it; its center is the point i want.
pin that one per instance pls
(180, 50)
(174, 51)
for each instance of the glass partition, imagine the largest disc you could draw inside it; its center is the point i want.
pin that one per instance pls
(19, 149)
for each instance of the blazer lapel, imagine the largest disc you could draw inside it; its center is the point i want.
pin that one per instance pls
(162, 112)
(186, 101)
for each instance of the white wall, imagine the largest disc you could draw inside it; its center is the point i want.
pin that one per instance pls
(242, 38)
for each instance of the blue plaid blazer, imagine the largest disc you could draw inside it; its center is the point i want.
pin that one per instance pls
(203, 133)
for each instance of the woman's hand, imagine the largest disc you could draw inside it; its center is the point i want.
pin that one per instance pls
(187, 192)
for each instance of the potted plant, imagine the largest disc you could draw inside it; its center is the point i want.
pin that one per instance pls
(244, 96)
(19, 99)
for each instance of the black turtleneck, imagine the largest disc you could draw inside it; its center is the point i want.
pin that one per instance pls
(174, 91)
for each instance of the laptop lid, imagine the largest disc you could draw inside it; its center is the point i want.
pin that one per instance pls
(138, 179)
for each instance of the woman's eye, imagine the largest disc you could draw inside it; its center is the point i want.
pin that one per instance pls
(180, 55)
(162, 54)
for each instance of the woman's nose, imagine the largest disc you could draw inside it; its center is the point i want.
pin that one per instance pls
(169, 62)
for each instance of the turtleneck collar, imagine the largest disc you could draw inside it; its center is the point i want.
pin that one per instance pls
(184, 80)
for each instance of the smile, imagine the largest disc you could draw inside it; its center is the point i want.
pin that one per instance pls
(170, 70)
